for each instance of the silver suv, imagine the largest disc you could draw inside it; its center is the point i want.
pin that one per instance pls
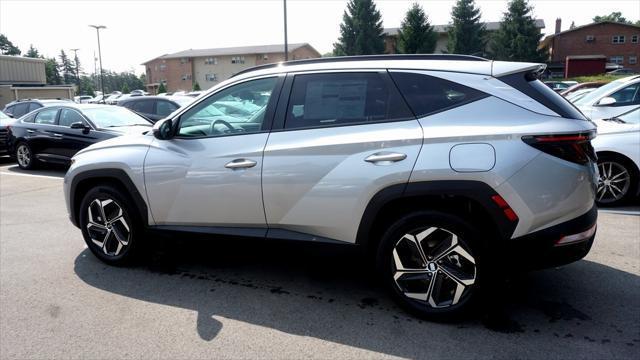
(448, 169)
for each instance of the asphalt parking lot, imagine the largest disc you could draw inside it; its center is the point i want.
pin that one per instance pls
(197, 299)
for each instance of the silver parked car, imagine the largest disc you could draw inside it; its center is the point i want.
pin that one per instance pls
(449, 169)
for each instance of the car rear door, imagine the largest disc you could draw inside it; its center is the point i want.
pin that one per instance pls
(40, 134)
(338, 139)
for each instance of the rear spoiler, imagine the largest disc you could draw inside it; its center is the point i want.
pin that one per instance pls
(503, 68)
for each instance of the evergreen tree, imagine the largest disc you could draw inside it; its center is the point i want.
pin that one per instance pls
(162, 89)
(66, 68)
(615, 16)
(32, 52)
(196, 86)
(466, 33)
(518, 38)
(416, 35)
(125, 88)
(77, 68)
(7, 47)
(52, 73)
(361, 31)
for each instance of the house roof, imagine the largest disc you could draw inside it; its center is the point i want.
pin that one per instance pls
(548, 38)
(238, 50)
(489, 26)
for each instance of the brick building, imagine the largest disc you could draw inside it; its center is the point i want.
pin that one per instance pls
(619, 42)
(208, 67)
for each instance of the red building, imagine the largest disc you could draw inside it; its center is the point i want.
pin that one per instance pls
(618, 42)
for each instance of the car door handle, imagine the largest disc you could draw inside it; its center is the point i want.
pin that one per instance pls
(385, 157)
(57, 135)
(240, 164)
(30, 131)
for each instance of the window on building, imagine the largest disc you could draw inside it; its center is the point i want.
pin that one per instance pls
(186, 77)
(618, 59)
(590, 38)
(265, 57)
(237, 60)
(634, 39)
(210, 77)
(163, 67)
(617, 39)
(184, 60)
(211, 61)
(633, 60)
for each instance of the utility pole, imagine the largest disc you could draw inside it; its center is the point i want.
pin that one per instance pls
(75, 59)
(95, 71)
(98, 27)
(286, 46)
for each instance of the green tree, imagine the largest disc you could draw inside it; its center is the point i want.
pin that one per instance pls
(518, 37)
(125, 88)
(87, 85)
(466, 32)
(615, 16)
(416, 35)
(162, 89)
(196, 86)
(361, 31)
(66, 68)
(51, 71)
(7, 47)
(32, 52)
(328, 54)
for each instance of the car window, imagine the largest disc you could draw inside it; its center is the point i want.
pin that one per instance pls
(46, 117)
(29, 119)
(164, 108)
(68, 117)
(343, 98)
(427, 94)
(598, 93)
(143, 106)
(237, 109)
(627, 96)
(20, 109)
(34, 106)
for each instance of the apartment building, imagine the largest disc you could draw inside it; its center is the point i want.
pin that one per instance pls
(208, 67)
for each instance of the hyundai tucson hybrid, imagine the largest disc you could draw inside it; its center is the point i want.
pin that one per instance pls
(446, 169)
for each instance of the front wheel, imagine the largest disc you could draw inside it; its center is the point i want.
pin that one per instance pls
(109, 225)
(618, 181)
(429, 262)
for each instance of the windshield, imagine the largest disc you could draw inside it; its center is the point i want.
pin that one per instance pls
(106, 117)
(596, 94)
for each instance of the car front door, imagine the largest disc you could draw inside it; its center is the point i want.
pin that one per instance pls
(70, 141)
(209, 173)
(338, 140)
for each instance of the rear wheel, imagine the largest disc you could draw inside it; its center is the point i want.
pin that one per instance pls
(618, 180)
(429, 262)
(24, 156)
(110, 225)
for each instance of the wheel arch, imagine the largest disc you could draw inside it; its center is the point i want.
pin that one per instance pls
(460, 197)
(84, 181)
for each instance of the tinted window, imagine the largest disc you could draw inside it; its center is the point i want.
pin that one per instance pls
(68, 117)
(29, 119)
(34, 106)
(9, 110)
(144, 106)
(20, 109)
(237, 109)
(343, 98)
(627, 96)
(164, 108)
(428, 94)
(46, 116)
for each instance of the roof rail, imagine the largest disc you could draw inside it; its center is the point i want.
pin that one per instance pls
(365, 58)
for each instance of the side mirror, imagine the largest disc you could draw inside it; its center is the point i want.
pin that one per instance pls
(80, 125)
(9, 115)
(162, 130)
(606, 101)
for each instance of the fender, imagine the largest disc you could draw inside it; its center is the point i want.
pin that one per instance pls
(106, 174)
(477, 191)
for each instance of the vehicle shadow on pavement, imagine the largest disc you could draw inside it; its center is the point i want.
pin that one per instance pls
(51, 170)
(330, 293)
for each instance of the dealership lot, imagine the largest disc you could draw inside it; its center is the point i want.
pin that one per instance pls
(195, 299)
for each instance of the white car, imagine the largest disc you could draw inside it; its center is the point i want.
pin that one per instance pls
(618, 148)
(610, 100)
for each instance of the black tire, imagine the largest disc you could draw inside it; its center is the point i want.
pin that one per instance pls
(25, 163)
(110, 198)
(608, 164)
(468, 240)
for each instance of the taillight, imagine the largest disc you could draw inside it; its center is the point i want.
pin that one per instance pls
(576, 148)
(504, 206)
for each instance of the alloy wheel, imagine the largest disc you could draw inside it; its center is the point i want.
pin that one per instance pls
(108, 227)
(432, 267)
(23, 155)
(613, 183)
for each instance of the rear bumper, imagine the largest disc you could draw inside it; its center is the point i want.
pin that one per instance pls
(544, 248)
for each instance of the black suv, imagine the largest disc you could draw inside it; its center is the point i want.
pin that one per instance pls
(18, 108)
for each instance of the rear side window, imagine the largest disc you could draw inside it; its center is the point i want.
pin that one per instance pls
(20, 109)
(34, 106)
(164, 108)
(343, 98)
(46, 116)
(537, 90)
(427, 94)
(144, 106)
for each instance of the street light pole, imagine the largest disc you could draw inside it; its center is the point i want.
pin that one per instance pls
(75, 58)
(98, 27)
(286, 47)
